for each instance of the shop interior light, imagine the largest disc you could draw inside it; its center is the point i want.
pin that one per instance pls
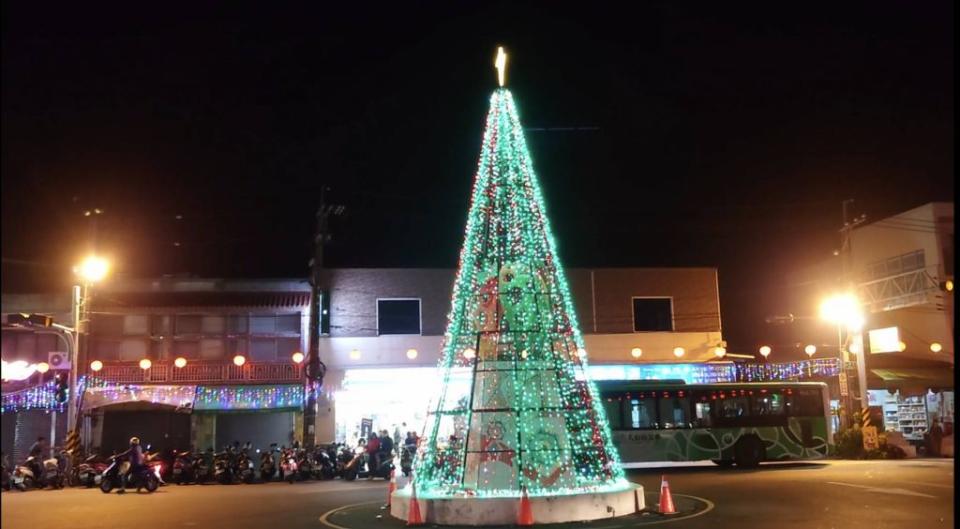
(678, 351)
(355, 354)
(636, 352)
(412, 353)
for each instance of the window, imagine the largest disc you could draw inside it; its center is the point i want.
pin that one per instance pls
(288, 324)
(135, 324)
(398, 316)
(189, 349)
(212, 348)
(702, 415)
(768, 402)
(640, 413)
(263, 349)
(674, 410)
(733, 408)
(652, 314)
(806, 403)
(106, 325)
(188, 325)
(611, 405)
(133, 349)
(287, 346)
(212, 325)
(237, 324)
(263, 324)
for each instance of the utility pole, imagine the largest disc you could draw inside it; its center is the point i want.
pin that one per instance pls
(315, 369)
(846, 265)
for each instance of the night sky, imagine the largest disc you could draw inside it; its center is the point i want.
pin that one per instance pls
(711, 135)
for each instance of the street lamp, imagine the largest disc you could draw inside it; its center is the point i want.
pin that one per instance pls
(96, 365)
(43, 367)
(765, 351)
(145, 364)
(90, 270)
(180, 362)
(239, 360)
(844, 310)
(297, 357)
(810, 350)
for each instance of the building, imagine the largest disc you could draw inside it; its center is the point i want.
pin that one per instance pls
(382, 345)
(386, 328)
(206, 323)
(899, 267)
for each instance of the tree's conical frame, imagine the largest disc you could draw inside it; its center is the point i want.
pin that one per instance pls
(516, 410)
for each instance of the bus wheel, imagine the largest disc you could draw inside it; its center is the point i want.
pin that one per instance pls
(749, 452)
(725, 463)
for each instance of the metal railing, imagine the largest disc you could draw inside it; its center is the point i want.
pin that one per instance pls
(196, 372)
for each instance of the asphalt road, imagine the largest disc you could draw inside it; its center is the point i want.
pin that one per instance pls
(833, 494)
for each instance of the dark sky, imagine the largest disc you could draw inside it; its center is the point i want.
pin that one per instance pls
(721, 135)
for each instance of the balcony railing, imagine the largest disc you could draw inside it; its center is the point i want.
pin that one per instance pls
(201, 372)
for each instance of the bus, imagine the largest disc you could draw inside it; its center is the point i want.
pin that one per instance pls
(727, 423)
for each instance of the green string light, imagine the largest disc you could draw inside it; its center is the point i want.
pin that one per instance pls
(528, 417)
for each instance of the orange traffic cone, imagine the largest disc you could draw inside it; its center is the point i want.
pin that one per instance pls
(666, 499)
(526, 512)
(413, 512)
(392, 487)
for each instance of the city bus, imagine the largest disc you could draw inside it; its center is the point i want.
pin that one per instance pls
(727, 423)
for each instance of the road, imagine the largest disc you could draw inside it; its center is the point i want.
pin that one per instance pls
(832, 494)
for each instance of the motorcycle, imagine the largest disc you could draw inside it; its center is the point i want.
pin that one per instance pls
(351, 467)
(325, 466)
(267, 466)
(115, 476)
(184, 469)
(28, 475)
(244, 468)
(304, 465)
(383, 470)
(288, 466)
(222, 469)
(90, 471)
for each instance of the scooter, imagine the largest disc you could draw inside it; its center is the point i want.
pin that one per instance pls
(267, 466)
(222, 471)
(89, 473)
(406, 459)
(25, 477)
(351, 469)
(304, 465)
(288, 466)
(115, 476)
(325, 466)
(184, 470)
(245, 468)
(383, 470)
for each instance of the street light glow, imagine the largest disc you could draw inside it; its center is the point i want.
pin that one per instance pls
(469, 353)
(636, 352)
(43, 367)
(145, 364)
(678, 351)
(935, 347)
(297, 357)
(810, 349)
(92, 269)
(96, 365)
(239, 360)
(765, 350)
(720, 352)
(180, 362)
(843, 309)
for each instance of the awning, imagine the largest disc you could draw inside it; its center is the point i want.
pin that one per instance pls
(925, 377)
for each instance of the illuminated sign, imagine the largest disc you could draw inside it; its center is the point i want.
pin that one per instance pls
(886, 340)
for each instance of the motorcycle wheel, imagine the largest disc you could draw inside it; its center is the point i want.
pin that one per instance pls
(106, 485)
(27, 483)
(350, 475)
(151, 484)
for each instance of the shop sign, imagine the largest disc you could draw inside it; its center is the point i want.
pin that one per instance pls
(844, 391)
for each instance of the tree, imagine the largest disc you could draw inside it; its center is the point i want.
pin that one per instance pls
(517, 410)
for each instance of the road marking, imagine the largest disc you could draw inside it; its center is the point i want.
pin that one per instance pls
(892, 490)
(325, 521)
(928, 484)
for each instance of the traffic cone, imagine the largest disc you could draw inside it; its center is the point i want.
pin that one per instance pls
(392, 487)
(666, 499)
(413, 512)
(526, 512)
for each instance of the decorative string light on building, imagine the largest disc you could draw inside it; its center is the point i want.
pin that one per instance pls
(814, 368)
(39, 397)
(248, 397)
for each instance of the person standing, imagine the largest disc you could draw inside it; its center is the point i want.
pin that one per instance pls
(373, 453)
(936, 438)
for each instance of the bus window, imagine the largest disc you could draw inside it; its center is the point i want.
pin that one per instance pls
(674, 411)
(702, 415)
(640, 413)
(611, 405)
(807, 402)
(768, 402)
(734, 407)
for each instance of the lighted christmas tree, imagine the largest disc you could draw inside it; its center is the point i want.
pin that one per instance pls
(517, 410)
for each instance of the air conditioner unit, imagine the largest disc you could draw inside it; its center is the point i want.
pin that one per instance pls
(58, 360)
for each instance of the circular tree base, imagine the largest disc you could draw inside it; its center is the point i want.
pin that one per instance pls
(472, 510)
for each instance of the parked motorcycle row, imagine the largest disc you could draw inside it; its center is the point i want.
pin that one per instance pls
(226, 467)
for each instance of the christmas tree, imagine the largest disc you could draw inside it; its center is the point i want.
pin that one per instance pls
(517, 410)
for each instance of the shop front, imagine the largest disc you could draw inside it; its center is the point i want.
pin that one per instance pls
(908, 401)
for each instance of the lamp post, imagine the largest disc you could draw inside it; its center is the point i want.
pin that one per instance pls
(844, 311)
(89, 271)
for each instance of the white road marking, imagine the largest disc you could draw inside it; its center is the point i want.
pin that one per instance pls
(927, 484)
(891, 490)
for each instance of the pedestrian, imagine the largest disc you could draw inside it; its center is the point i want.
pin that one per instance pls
(373, 453)
(935, 438)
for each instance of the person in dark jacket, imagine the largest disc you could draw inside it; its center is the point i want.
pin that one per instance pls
(134, 455)
(386, 448)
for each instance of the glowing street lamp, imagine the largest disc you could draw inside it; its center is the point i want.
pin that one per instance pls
(239, 360)
(145, 364)
(96, 365)
(843, 309)
(43, 367)
(469, 353)
(92, 269)
(180, 362)
(810, 350)
(765, 351)
(297, 357)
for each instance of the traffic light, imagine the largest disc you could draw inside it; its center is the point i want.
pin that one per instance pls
(60, 393)
(40, 320)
